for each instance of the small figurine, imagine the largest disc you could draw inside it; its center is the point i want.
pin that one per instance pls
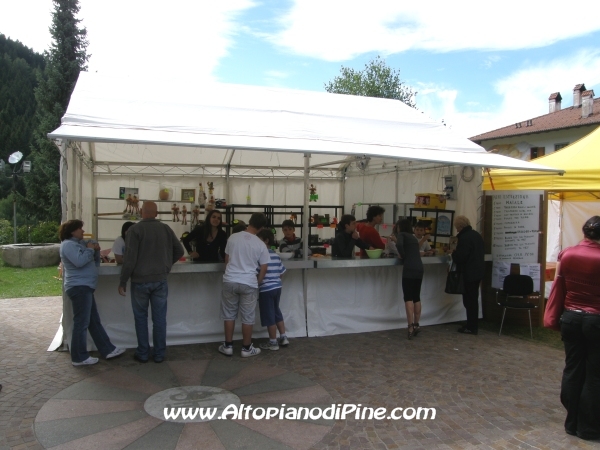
(293, 217)
(128, 204)
(175, 210)
(135, 205)
(195, 215)
(201, 196)
(184, 215)
(211, 188)
(210, 205)
(313, 193)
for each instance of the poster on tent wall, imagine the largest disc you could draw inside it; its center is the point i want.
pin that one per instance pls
(501, 269)
(516, 225)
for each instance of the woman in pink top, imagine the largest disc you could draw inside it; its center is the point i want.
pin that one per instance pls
(575, 298)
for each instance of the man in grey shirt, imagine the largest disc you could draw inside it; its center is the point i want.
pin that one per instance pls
(151, 249)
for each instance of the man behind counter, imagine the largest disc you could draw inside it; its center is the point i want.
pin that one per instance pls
(346, 238)
(368, 234)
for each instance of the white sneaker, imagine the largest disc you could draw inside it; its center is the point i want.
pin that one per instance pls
(252, 351)
(227, 351)
(269, 346)
(116, 352)
(87, 362)
(284, 342)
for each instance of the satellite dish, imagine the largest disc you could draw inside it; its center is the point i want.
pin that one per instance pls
(15, 157)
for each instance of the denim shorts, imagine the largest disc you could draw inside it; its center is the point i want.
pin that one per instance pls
(268, 302)
(238, 297)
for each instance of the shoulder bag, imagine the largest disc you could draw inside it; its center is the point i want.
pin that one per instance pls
(455, 283)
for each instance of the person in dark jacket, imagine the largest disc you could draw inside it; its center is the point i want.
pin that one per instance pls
(346, 238)
(210, 239)
(469, 257)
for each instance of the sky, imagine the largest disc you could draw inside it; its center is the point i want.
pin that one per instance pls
(476, 66)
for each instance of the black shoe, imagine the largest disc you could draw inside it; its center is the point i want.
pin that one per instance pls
(572, 433)
(158, 360)
(465, 330)
(138, 359)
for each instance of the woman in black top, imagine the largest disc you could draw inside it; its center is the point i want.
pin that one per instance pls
(210, 239)
(412, 274)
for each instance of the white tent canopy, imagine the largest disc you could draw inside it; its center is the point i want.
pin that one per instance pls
(145, 126)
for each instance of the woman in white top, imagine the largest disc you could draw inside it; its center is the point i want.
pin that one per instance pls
(118, 247)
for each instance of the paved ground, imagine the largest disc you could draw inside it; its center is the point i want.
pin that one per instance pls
(489, 392)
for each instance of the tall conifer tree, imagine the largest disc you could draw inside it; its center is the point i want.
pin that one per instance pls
(65, 59)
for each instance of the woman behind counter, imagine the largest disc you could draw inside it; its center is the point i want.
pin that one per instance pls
(210, 239)
(118, 247)
(575, 299)
(80, 264)
(412, 274)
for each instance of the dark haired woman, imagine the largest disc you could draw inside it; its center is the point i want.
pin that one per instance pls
(118, 247)
(210, 239)
(575, 299)
(80, 261)
(412, 274)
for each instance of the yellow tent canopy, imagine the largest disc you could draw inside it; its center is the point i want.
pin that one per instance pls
(581, 181)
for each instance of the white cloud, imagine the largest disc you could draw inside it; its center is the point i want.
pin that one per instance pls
(27, 22)
(184, 39)
(339, 30)
(524, 93)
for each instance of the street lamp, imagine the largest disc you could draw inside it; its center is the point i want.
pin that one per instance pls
(17, 171)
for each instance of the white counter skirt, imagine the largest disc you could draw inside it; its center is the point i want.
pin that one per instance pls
(365, 296)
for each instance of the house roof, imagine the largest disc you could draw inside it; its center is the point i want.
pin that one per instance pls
(565, 118)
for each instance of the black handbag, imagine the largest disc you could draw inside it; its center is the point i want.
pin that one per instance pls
(455, 283)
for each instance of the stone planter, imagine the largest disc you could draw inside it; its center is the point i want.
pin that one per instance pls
(30, 255)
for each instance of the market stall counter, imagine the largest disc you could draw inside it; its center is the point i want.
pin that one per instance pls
(365, 296)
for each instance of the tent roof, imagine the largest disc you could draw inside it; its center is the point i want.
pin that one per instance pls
(580, 161)
(147, 123)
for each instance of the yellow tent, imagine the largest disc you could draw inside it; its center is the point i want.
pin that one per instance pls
(581, 181)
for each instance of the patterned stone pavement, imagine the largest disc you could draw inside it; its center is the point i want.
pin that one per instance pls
(489, 392)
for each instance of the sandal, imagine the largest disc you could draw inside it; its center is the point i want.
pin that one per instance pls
(411, 333)
(416, 328)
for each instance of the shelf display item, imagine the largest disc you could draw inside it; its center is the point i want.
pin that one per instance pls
(294, 217)
(195, 215)
(313, 193)
(184, 213)
(430, 201)
(210, 205)
(175, 210)
(188, 195)
(164, 194)
(128, 204)
(201, 196)
(135, 205)
(211, 188)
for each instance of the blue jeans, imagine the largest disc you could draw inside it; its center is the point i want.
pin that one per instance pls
(154, 295)
(85, 317)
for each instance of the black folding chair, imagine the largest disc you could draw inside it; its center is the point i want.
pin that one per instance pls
(516, 290)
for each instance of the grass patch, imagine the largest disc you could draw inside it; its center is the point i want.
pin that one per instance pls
(541, 335)
(16, 282)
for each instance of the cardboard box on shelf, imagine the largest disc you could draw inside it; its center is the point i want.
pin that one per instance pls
(430, 201)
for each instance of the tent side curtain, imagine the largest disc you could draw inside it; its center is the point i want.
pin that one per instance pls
(126, 112)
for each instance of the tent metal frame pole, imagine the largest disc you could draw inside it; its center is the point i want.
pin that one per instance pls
(306, 235)
(544, 242)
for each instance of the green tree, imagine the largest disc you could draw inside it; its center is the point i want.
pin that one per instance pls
(376, 80)
(19, 66)
(65, 59)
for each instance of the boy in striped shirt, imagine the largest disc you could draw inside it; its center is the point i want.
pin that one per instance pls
(269, 296)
